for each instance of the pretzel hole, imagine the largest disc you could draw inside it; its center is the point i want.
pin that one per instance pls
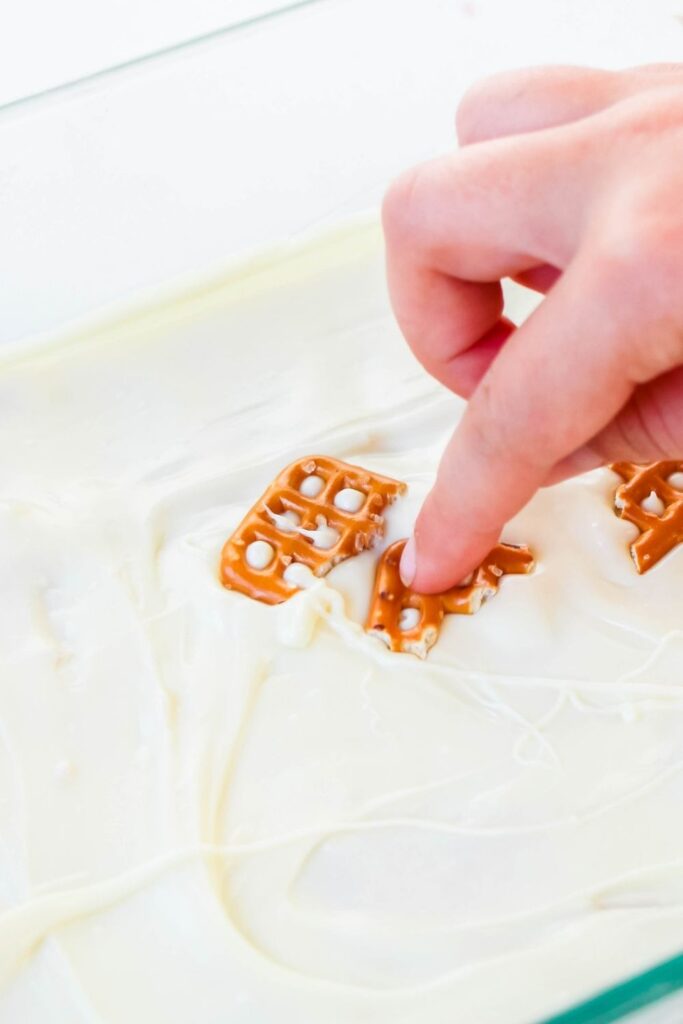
(284, 519)
(259, 555)
(322, 536)
(350, 497)
(298, 574)
(310, 480)
(653, 504)
(410, 616)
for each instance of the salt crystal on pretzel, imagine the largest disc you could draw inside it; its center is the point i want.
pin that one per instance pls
(392, 602)
(651, 499)
(300, 519)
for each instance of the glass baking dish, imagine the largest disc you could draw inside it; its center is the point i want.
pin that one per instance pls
(148, 178)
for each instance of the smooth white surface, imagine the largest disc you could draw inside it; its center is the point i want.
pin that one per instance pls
(213, 810)
(172, 169)
(45, 45)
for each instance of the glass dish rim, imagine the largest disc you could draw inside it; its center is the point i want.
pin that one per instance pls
(635, 992)
(277, 9)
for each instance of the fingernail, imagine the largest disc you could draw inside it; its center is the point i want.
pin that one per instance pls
(408, 564)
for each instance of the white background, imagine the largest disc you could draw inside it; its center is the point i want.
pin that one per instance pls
(164, 171)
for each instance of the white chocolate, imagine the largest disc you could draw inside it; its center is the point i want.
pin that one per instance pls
(676, 480)
(323, 536)
(349, 499)
(394, 837)
(286, 521)
(653, 503)
(260, 554)
(298, 575)
(408, 619)
(311, 486)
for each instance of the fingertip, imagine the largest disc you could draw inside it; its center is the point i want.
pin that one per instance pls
(440, 566)
(407, 567)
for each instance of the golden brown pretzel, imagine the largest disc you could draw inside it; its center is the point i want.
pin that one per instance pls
(283, 511)
(391, 599)
(661, 525)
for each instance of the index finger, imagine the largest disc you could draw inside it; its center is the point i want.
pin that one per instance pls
(560, 378)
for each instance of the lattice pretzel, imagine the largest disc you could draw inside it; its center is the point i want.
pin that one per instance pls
(392, 602)
(273, 522)
(661, 524)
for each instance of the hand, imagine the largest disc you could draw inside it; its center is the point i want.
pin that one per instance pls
(570, 181)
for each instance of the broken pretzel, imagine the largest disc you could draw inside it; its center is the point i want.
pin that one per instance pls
(410, 622)
(651, 498)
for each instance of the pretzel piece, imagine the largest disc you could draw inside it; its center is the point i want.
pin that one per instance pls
(318, 528)
(391, 599)
(659, 520)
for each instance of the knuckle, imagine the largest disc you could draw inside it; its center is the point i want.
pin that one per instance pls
(637, 257)
(413, 206)
(652, 354)
(472, 109)
(507, 426)
(644, 116)
(617, 263)
(487, 423)
(642, 431)
(528, 98)
(399, 207)
(483, 104)
(636, 270)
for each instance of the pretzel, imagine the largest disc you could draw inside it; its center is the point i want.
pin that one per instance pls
(652, 499)
(392, 601)
(339, 514)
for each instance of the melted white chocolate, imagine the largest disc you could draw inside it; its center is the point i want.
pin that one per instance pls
(211, 809)
(311, 486)
(349, 499)
(259, 554)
